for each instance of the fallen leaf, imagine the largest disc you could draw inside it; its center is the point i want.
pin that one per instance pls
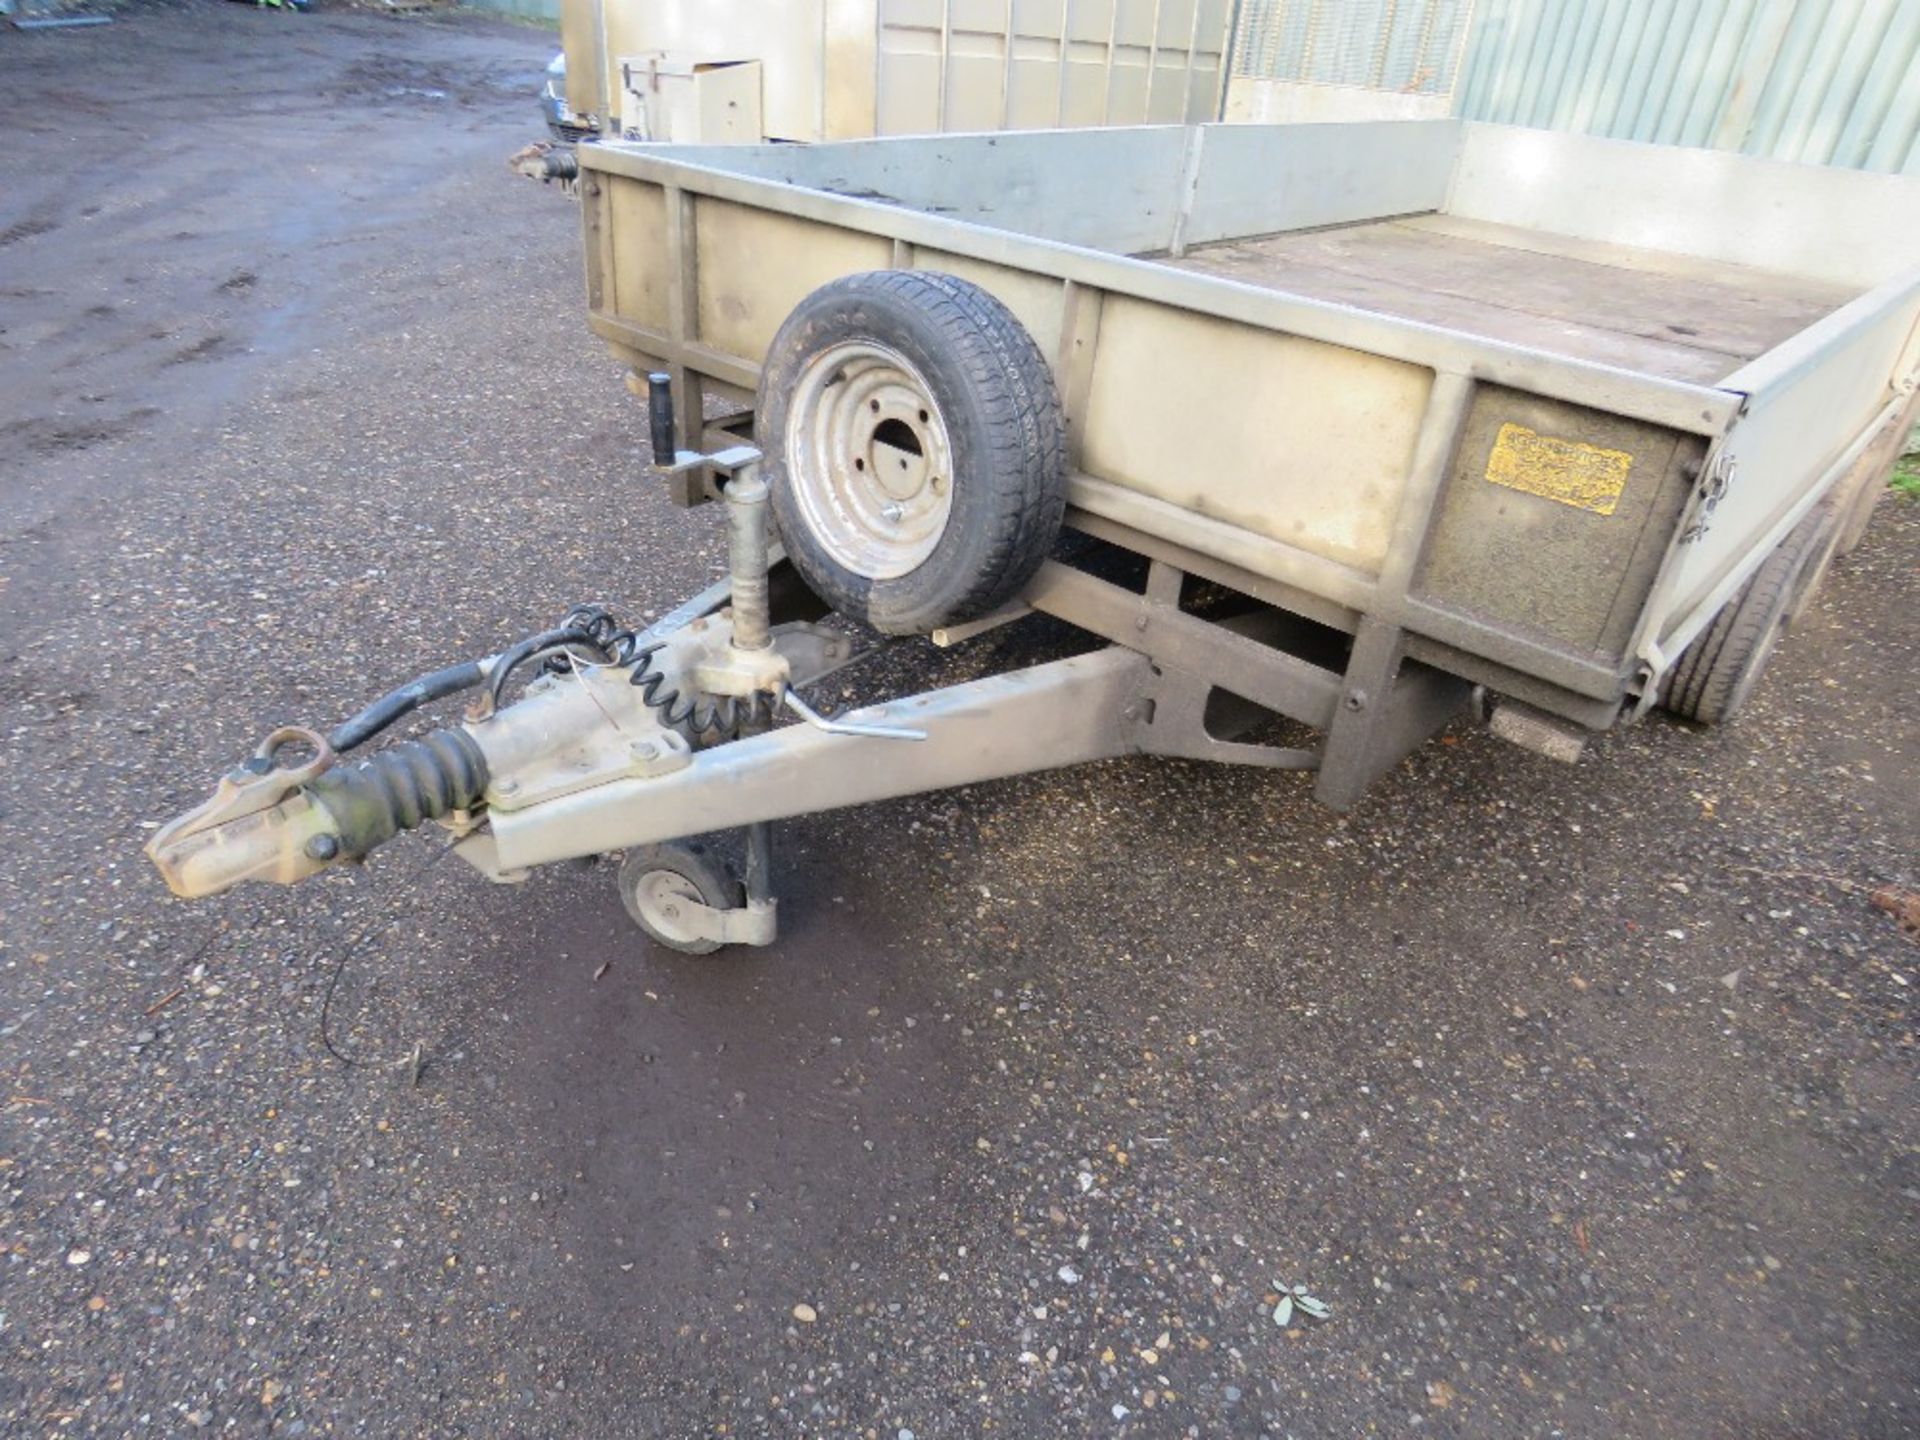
(1902, 904)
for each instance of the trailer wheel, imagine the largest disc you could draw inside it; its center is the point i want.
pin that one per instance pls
(1716, 673)
(656, 881)
(915, 448)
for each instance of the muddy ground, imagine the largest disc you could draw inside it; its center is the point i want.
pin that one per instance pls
(1586, 1098)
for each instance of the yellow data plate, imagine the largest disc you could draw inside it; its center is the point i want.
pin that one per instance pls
(1583, 476)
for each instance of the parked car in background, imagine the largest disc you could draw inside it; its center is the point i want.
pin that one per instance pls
(565, 126)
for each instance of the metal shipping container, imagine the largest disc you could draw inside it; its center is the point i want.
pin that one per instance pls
(846, 69)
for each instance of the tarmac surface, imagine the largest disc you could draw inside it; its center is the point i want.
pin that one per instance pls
(1585, 1098)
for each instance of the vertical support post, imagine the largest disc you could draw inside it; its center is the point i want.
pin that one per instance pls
(593, 232)
(760, 862)
(1066, 45)
(683, 328)
(759, 878)
(1113, 51)
(946, 61)
(1349, 761)
(1387, 707)
(600, 61)
(1229, 56)
(1153, 64)
(1006, 70)
(1081, 308)
(1193, 44)
(1190, 161)
(1448, 404)
(746, 496)
(1163, 584)
(746, 500)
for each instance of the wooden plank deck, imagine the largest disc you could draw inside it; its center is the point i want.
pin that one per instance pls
(1641, 310)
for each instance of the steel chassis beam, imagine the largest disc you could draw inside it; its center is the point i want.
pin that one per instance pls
(1148, 693)
(1063, 713)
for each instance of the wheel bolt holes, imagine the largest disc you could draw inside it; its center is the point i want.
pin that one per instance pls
(858, 463)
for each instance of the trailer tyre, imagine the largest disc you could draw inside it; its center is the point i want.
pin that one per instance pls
(1713, 677)
(915, 448)
(656, 881)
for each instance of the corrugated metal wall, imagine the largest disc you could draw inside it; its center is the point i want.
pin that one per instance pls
(1832, 82)
(1410, 47)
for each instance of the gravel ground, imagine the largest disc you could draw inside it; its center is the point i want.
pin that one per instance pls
(1585, 1098)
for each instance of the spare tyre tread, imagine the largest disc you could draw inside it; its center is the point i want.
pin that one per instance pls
(1020, 545)
(1025, 452)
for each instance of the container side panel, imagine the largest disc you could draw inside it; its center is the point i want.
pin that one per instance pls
(1088, 74)
(637, 247)
(1840, 226)
(1258, 181)
(1038, 20)
(849, 70)
(1294, 439)
(911, 57)
(959, 65)
(974, 95)
(1203, 96)
(743, 296)
(588, 70)
(1127, 85)
(786, 38)
(1167, 92)
(1134, 23)
(975, 85)
(1033, 83)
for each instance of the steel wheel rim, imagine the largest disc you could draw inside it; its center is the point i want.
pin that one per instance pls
(869, 459)
(662, 896)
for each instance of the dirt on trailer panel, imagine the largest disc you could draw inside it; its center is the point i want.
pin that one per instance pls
(1644, 310)
(1584, 1097)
